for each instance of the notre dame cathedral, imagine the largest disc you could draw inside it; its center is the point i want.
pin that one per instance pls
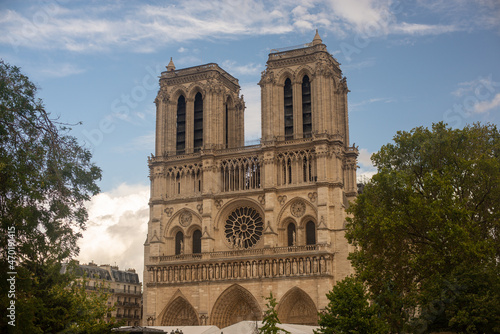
(230, 223)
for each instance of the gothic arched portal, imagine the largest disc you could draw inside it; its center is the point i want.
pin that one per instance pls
(235, 304)
(180, 313)
(296, 307)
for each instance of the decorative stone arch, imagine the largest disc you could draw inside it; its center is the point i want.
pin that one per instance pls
(228, 207)
(179, 312)
(283, 75)
(285, 212)
(194, 89)
(181, 220)
(235, 304)
(297, 307)
(177, 92)
(295, 210)
(303, 71)
(306, 218)
(229, 100)
(304, 227)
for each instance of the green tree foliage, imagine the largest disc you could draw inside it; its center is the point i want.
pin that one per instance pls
(348, 310)
(426, 230)
(271, 321)
(45, 178)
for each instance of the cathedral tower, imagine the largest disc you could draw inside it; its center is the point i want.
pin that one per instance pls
(229, 224)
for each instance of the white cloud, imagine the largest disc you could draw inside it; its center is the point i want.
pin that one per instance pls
(248, 69)
(117, 228)
(480, 95)
(422, 29)
(465, 14)
(364, 16)
(366, 168)
(145, 28)
(353, 106)
(480, 87)
(60, 70)
(485, 106)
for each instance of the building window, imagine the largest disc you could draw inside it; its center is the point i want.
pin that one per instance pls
(244, 227)
(197, 242)
(226, 127)
(288, 100)
(198, 122)
(306, 108)
(179, 243)
(181, 125)
(310, 233)
(291, 234)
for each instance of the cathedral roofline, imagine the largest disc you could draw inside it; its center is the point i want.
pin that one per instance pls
(173, 73)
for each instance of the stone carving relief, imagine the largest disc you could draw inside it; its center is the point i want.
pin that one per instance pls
(262, 199)
(185, 218)
(169, 211)
(298, 208)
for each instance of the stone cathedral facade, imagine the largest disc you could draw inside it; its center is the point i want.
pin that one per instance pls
(231, 223)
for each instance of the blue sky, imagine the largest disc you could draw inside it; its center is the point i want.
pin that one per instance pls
(407, 63)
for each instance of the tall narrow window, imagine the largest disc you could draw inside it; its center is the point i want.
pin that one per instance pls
(197, 242)
(291, 234)
(310, 233)
(226, 127)
(306, 108)
(181, 125)
(288, 99)
(179, 243)
(198, 122)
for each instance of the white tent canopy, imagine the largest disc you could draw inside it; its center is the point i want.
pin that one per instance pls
(242, 327)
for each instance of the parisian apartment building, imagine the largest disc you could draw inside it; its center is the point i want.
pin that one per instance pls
(123, 285)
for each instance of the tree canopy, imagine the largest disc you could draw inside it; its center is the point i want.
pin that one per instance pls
(426, 230)
(349, 311)
(45, 179)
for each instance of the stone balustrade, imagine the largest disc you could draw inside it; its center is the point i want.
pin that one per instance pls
(311, 260)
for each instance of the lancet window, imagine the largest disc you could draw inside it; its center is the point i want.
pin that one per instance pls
(226, 127)
(198, 122)
(291, 234)
(184, 181)
(306, 108)
(310, 233)
(196, 242)
(181, 125)
(288, 104)
(296, 167)
(240, 174)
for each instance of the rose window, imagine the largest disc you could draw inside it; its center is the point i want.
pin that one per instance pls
(243, 227)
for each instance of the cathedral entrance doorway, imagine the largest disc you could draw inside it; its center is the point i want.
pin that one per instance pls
(180, 313)
(234, 305)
